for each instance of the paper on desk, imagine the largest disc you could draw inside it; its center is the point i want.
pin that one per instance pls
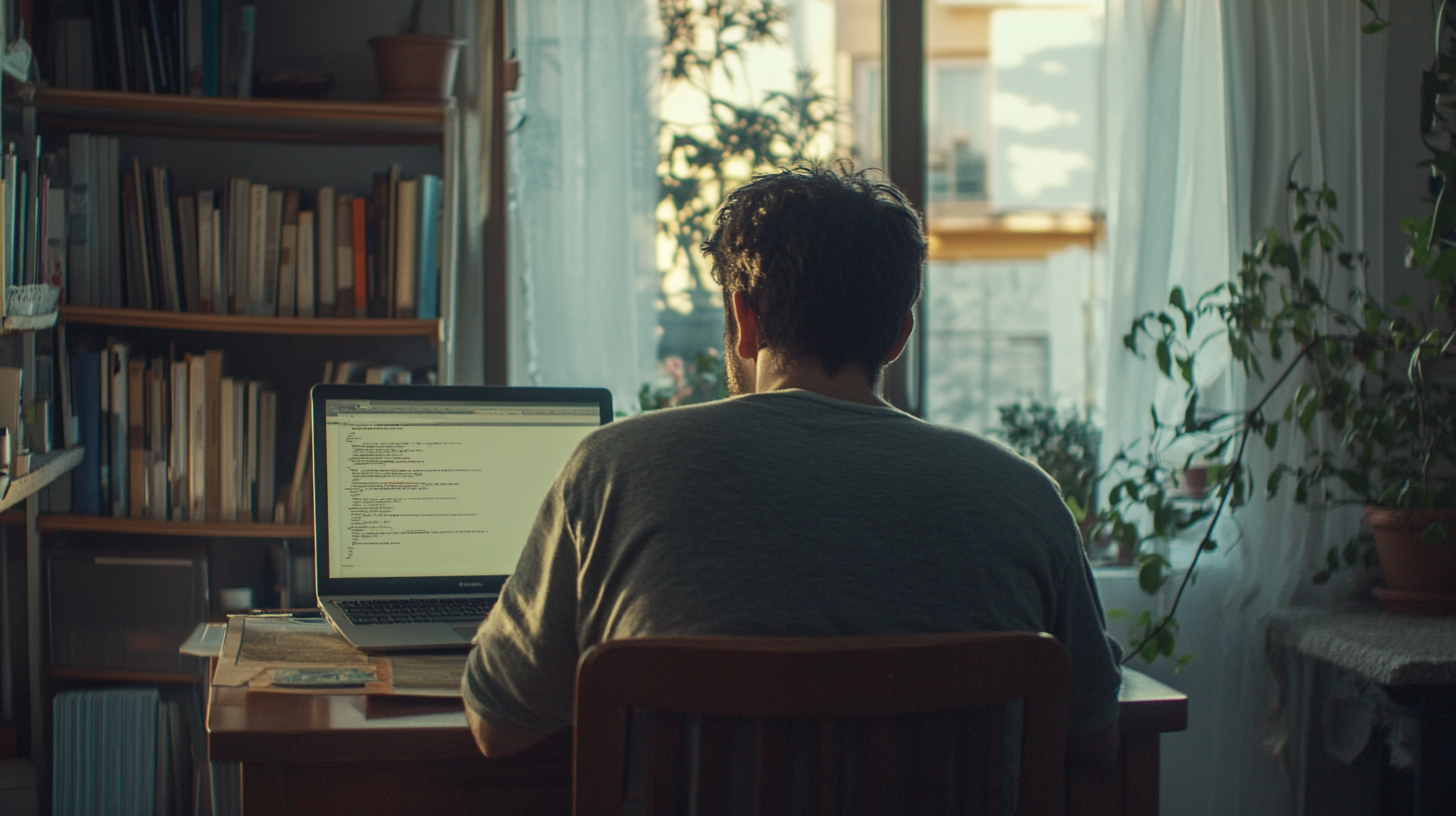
(427, 675)
(205, 640)
(255, 646)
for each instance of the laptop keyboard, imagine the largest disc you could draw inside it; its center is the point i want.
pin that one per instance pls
(417, 610)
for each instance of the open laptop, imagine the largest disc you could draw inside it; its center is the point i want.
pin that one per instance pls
(424, 496)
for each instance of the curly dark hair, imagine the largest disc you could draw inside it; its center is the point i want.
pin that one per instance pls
(829, 259)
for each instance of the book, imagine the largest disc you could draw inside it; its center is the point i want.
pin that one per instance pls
(288, 257)
(213, 400)
(164, 238)
(429, 254)
(187, 235)
(239, 243)
(120, 430)
(361, 279)
(194, 50)
(211, 56)
(407, 228)
(158, 436)
(178, 453)
(136, 439)
(247, 503)
(228, 447)
(344, 255)
(325, 241)
(206, 263)
(197, 437)
(247, 27)
(305, 264)
(12, 396)
(273, 246)
(257, 273)
(56, 249)
(80, 243)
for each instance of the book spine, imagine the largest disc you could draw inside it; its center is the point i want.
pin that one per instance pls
(288, 257)
(79, 206)
(206, 272)
(267, 457)
(248, 508)
(192, 11)
(257, 292)
(327, 282)
(228, 428)
(306, 274)
(136, 439)
(212, 488)
(344, 255)
(407, 231)
(197, 430)
(187, 234)
(247, 29)
(272, 248)
(57, 250)
(179, 457)
(211, 57)
(361, 269)
(428, 303)
(239, 243)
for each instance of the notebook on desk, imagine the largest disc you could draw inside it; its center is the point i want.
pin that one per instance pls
(423, 499)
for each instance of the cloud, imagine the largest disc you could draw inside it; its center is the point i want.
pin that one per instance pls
(1016, 112)
(1016, 35)
(1035, 169)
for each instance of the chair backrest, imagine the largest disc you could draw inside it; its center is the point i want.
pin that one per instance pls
(911, 723)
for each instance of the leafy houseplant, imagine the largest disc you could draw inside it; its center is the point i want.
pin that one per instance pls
(1371, 397)
(686, 383)
(1065, 445)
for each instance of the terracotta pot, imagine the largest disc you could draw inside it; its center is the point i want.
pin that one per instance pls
(415, 67)
(1413, 567)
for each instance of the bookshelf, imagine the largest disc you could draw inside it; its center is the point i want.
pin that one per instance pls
(279, 142)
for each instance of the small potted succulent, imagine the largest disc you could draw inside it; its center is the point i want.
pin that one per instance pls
(415, 67)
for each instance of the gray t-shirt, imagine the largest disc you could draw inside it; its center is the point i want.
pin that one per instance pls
(787, 513)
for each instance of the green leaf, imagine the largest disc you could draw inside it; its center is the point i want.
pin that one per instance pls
(1185, 659)
(1271, 436)
(1119, 613)
(1175, 298)
(1166, 642)
(1185, 369)
(1403, 302)
(1443, 268)
(1165, 359)
(1078, 511)
(1434, 534)
(1150, 576)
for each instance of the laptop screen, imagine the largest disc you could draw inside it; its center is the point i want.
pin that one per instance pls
(438, 488)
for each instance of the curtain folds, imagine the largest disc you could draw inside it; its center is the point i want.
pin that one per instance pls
(582, 192)
(1209, 103)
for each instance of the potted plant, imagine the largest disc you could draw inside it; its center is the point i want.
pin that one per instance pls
(1065, 445)
(1375, 381)
(415, 67)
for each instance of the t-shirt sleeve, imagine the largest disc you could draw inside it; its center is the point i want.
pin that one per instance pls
(1095, 656)
(521, 675)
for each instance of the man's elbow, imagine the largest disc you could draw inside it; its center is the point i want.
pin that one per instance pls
(494, 742)
(1098, 750)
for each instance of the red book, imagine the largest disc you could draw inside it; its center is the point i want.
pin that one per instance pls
(361, 269)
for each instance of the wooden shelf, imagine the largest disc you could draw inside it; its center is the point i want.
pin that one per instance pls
(201, 529)
(248, 324)
(44, 470)
(24, 323)
(271, 120)
(123, 675)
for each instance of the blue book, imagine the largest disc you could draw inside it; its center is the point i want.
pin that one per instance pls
(427, 267)
(211, 75)
(86, 478)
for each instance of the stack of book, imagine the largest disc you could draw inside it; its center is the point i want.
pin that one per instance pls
(34, 215)
(249, 248)
(196, 47)
(125, 750)
(173, 439)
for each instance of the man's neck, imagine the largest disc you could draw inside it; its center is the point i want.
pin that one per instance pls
(851, 384)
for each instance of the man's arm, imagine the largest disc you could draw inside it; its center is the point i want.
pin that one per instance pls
(496, 743)
(1097, 750)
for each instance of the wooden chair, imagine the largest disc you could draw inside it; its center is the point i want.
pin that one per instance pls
(899, 724)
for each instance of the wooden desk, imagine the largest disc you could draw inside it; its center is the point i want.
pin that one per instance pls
(305, 754)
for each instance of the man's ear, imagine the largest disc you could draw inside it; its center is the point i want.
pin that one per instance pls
(747, 320)
(906, 326)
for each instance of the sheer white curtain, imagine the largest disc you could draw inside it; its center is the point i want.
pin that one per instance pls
(1209, 102)
(582, 190)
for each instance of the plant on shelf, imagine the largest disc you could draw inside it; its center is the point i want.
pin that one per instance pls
(1065, 445)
